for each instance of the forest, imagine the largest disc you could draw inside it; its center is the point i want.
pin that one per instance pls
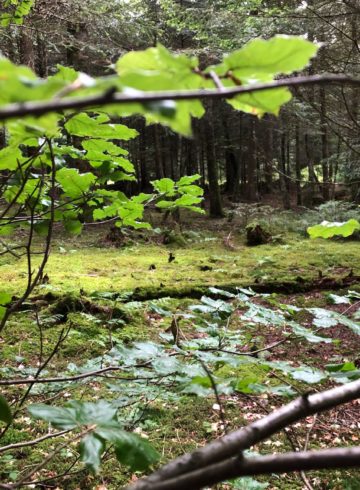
(180, 244)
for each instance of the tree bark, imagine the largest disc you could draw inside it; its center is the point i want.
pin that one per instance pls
(251, 181)
(216, 210)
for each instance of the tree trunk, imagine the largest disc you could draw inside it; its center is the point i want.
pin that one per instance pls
(251, 187)
(159, 168)
(268, 153)
(298, 165)
(216, 210)
(324, 145)
(284, 183)
(26, 48)
(144, 172)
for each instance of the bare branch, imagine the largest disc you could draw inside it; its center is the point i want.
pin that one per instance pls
(18, 445)
(275, 463)
(235, 442)
(110, 97)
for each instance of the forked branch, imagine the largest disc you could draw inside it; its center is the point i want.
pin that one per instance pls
(222, 458)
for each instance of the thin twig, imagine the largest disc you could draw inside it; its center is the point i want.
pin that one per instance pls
(216, 393)
(51, 456)
(18, 445)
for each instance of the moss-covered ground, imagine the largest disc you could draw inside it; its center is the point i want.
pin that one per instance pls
(203, 261)
(81, 270)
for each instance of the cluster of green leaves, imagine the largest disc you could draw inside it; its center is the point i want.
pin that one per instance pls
(251, 65)
(17, 10)
(106, 165)
(99, 422)
(156, 69)
(180, 194)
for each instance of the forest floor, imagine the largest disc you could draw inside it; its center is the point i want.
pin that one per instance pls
(110, 297)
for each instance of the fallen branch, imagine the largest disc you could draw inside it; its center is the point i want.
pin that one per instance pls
(232, 444)
(275, 463)
(99, 372)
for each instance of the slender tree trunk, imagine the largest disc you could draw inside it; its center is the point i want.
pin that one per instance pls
(298, 165)
(237, 176)
(251, 186)
(230, 159)
(310, 164)
(324, 145)
(216, 210)
(144, 171)
(26, 48)
(268, 153)
(283, 175)
(159, 168)
(42, 65)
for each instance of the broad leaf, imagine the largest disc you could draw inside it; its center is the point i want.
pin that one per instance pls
(73, 183)
(262, 60)
(5, 412)
(84, 125)
(91, 447)
(130, 449)
(73, 226)
(328, 230)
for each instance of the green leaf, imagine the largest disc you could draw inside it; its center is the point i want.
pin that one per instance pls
(73, 226)
(22, 9)
(10, 158)
(91, 447)
(157, 69)
(325, 319)
(165, 204)
(57, 416)
(5, 298)
(338, 300)
(343, 320)
(187, 200)
(74, 184)
(164, 186)
(74, 414)
(2, 312)
(5, 412)
(245, 384)
(307, 334)
(130, 449)
(344, 367)
(328, 230)
(248, 484)
(98, 149)
(259, 103)
(262, 60)
(188, 179)
(197, 389)
(42, 227)
(308, 375)
(84, 125)
(193, 190)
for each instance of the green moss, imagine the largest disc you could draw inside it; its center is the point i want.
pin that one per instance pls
(94, 269)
